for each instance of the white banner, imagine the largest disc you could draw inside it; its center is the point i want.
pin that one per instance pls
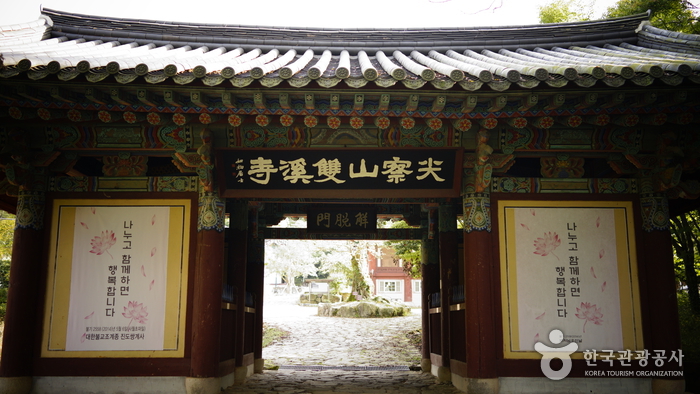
(567, 276)
(118, 278)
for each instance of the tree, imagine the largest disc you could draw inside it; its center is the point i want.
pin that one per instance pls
(685, 230)
(7, 224)
(408, 251)
(559, 11)
(675, 15)
(290, 259)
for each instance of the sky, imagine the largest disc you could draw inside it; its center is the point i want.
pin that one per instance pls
(303, 13)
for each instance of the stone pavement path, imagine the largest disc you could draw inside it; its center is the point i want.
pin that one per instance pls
(337, 341)
(343, 382)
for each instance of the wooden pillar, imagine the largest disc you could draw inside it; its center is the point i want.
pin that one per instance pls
(480, 269)
(23, 293)
(429, 285)
(658, 286)
(256, 285)
(206, 311)
(238, 261)
(448, 266)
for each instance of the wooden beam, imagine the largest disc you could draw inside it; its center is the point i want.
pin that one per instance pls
(439, 103)
(228, 99)
(614, 99)
(335, 101)
(412, 103)
(642, 100)
(384, 102)
(200, 99)
(497, 103)
(310, 101)
(31, 93)
(172, 98)
(359, 102)
(97, 96)
(120, 96)
(284, 100)
(554, 102)
(63, 95)
(587, 100)
(528, 102)
(146, 97)
(469, 104)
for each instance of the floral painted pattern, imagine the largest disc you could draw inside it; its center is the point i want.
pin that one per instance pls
(590, 313)
(463, 124)
(333, 122)
(286, 120)
(135, 311)
(310, 121)
(129, 117)
(408, 123)
(547, 245)
(153, 118)
(435, 124)
(101, 243)
(235, 120)
(262, 120)
(382, 122)
(205, 118)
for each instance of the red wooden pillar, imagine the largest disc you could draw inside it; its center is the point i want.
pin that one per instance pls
(206, 311)
(448, 267)
(658, 286)
(23, 293)
(481, 304)
(429, 285)
(238, 259)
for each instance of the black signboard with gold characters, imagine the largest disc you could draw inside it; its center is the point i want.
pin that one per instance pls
(340, 173)
(334, 219)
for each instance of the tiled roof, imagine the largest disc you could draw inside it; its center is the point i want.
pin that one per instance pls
(611, 52)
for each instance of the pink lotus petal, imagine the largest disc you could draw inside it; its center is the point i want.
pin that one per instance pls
(143, 270)
(84, 225)
(602, 288)
(597, 222)
(82, 339)
(92, 210)
(540, 316)
(153, 282)
(153, 220)
(593, 273)
(90, 315)
(525, 226)
(532, 211)
(601, 253)
(537, 337)
(153, 251)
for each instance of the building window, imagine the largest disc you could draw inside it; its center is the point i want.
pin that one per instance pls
(417, 286)
(389, 286)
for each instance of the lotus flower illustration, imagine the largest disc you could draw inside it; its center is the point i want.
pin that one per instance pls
(546, 245)
(589, 313)
(135, 311)
(101, 243)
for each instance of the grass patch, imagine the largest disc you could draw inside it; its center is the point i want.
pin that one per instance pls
(272, 334)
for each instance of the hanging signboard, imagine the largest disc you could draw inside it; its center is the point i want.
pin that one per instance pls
(340, 173)
(341, 220)
(569, 266)
(117, 277)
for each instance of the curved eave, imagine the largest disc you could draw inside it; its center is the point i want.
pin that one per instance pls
(583, 54)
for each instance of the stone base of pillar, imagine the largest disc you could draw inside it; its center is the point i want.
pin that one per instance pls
(475, 386)
(443, 374)
(202, 385)
(242, 373)
(667, 386)
(16, 385)
(425, 365)
(259, 365)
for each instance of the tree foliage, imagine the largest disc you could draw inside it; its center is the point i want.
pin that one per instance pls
(559, 11)
(686, 244)
(7, 225)
(675, 15)
(408, 251)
